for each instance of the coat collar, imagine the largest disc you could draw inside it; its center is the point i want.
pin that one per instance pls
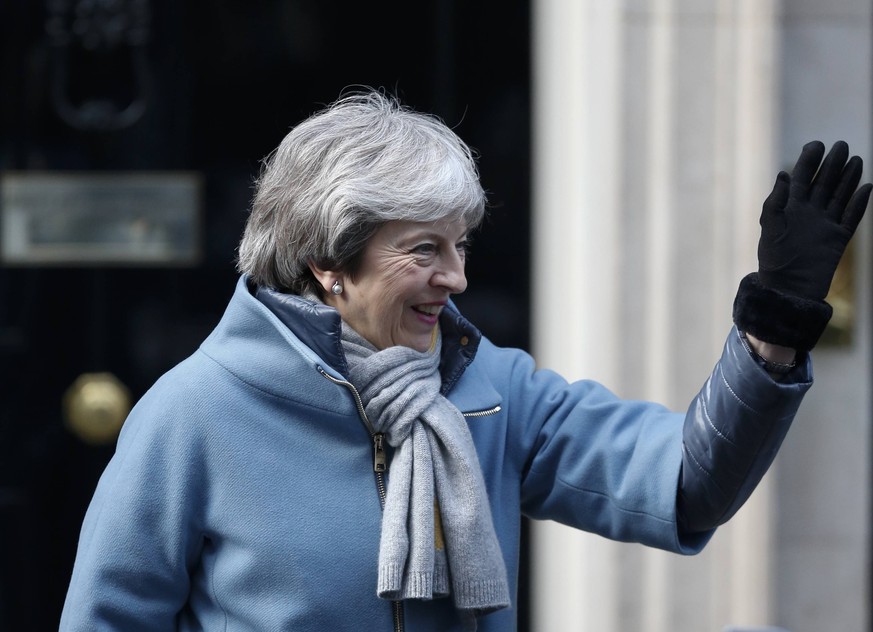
(319, 326)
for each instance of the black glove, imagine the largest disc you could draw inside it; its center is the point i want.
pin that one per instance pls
(806, 223)
(808, 219)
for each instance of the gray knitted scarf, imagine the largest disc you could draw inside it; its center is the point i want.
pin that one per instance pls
(437, 533)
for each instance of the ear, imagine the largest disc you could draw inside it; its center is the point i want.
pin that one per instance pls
(325, 278)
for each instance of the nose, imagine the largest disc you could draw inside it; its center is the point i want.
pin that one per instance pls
(450, 274)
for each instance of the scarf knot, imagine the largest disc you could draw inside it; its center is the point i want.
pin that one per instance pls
(394, 411)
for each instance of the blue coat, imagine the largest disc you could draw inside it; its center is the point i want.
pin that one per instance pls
(242, 495)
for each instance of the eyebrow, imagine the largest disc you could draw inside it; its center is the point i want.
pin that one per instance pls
(431, 234)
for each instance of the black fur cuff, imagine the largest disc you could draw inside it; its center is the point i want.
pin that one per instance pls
(780, 319)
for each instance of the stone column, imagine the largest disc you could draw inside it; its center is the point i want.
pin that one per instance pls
(653, 150)
(823, 517)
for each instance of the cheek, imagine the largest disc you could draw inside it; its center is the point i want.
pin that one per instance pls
(381, 302)
(398, 281)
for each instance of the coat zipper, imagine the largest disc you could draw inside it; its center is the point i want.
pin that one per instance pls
(484, 413)
(380, 466)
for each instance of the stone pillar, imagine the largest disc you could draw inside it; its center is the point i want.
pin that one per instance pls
(653, 150)
(823, 517)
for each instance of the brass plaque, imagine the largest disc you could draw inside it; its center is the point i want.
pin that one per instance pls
(100, 218)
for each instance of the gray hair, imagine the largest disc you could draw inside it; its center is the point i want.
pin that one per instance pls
(342, 173)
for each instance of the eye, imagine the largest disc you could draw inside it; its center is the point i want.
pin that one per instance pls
(425, 248)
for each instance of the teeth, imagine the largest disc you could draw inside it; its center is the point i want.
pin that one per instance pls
(433, 310)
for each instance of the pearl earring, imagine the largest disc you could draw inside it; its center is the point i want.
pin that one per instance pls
(336, 288)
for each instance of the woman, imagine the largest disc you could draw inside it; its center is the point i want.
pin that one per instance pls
(346, 451)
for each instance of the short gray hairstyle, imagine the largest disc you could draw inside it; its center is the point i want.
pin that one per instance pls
(338, 176)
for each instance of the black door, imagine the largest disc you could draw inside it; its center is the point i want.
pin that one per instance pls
(114, 87)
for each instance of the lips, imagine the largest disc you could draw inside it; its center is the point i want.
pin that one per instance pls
(429, 310)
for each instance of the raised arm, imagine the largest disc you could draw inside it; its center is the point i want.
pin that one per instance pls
(780, 312)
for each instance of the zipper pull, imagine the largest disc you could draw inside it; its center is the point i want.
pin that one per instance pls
(379, 462)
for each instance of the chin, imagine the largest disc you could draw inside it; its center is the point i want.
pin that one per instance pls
(410, 343)
(420, 343)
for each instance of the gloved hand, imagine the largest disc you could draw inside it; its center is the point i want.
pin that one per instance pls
(806, 223)
(808, 219)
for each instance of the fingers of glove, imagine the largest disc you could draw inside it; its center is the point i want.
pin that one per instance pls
(806, 165)
(856, 208)
(829, 175)
(845, 189)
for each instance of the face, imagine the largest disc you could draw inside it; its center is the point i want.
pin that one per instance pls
(408, 271)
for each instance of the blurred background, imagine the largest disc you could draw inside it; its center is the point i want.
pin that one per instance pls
(626, 148)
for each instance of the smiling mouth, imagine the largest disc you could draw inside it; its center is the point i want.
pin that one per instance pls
(429, 310)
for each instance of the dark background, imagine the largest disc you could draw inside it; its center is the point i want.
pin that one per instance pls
(221, 83)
